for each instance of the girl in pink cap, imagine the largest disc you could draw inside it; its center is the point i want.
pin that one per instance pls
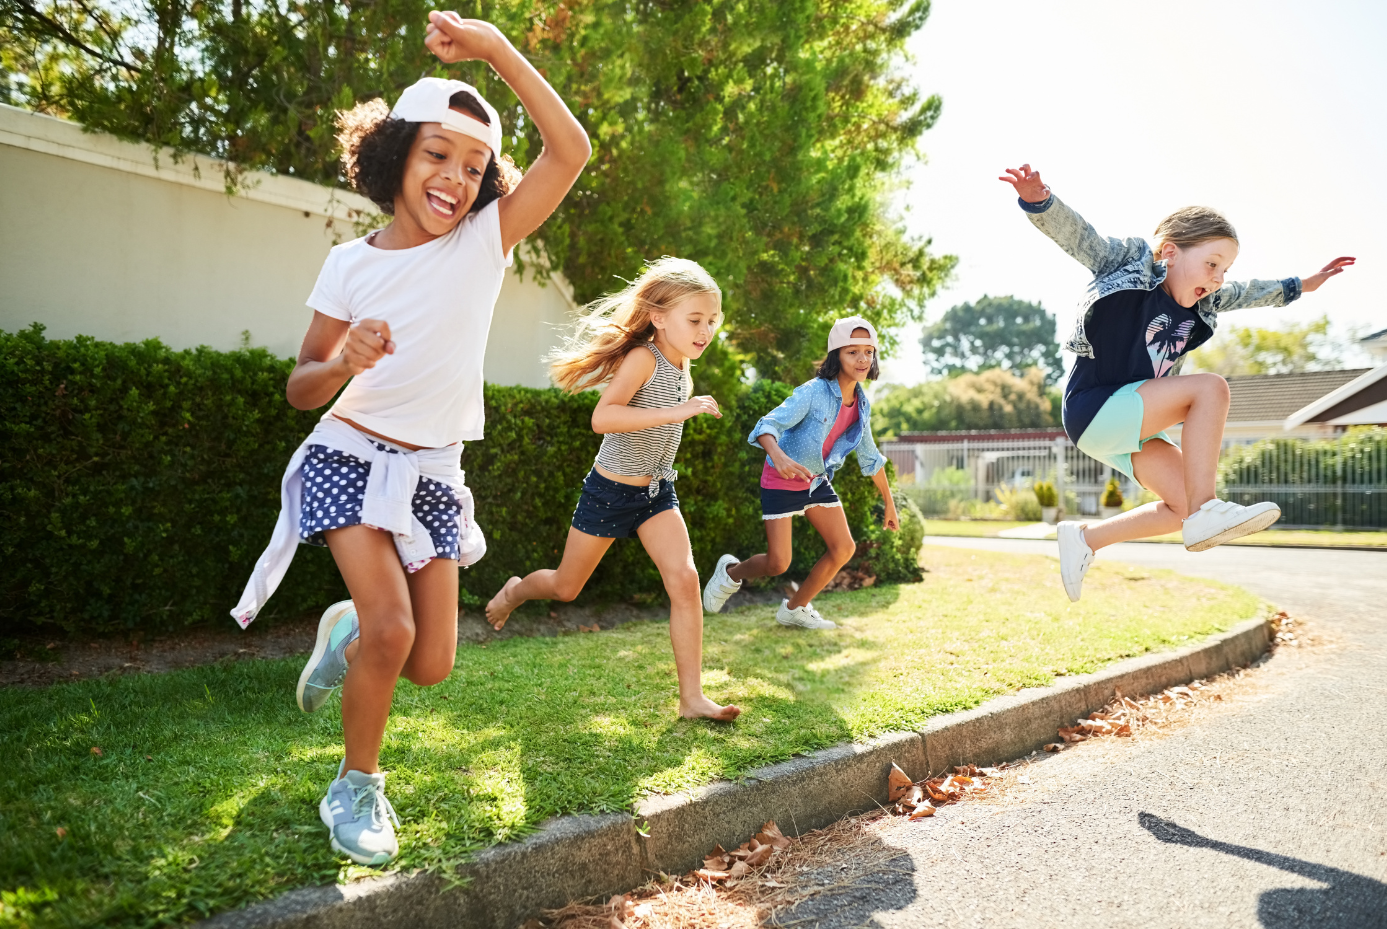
(806, 439)
(399, 327)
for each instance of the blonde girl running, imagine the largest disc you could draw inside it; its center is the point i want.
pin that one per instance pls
(641, 340)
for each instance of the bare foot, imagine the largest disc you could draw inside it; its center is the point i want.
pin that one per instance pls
(703, 708)
(500, 607)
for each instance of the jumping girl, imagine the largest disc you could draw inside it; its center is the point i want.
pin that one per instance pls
(401, 318)
(1143, 312)
(806, 439)
(642, 339)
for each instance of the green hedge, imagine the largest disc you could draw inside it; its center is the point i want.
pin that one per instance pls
(139, 484)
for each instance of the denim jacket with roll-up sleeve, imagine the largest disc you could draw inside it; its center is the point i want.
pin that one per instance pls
(801, 425)
(1129, 264)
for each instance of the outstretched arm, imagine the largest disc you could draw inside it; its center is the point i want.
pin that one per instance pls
(613, 415)
(566, 146)
(1240, 295)
(1069, 230)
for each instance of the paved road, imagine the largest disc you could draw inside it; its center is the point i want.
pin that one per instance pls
(1272, 813)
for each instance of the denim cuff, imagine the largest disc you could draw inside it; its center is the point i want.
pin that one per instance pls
(1040, 207)
(1290, 289)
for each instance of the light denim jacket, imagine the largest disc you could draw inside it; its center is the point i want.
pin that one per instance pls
(801, 425)
(1129, 264)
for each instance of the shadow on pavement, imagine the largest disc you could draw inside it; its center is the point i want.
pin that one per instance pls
(1350, 901)
(849, 899)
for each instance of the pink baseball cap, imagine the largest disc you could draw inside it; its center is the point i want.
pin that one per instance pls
(426, 101)
(841, 333)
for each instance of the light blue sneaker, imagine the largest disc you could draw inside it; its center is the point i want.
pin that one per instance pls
(358, 818)
(328, 664)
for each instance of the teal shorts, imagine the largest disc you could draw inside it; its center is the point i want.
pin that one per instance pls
(1115, 432)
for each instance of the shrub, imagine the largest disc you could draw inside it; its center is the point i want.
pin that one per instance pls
(140, 483)
(1112, 492)
(1045, 494)
(1018, 504)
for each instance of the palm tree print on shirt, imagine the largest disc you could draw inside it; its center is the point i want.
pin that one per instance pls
(1165, 342)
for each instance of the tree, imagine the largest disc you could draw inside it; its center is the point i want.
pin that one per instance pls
(992, 399)
(1248, 350)
(759, 139)
(995, 332)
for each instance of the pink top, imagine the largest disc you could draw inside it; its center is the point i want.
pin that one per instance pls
(847, 415)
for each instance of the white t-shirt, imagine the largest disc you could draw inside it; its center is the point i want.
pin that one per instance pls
(437, 298)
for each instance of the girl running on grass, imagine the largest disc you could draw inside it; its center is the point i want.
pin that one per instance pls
(1142, 313)
(641, 340)
(806, 439)
(401, 318)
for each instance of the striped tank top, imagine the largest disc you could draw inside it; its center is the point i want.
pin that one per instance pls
(649, 451)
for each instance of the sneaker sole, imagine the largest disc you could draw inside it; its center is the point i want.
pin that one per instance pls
(1255, 524)
(325, 624)
(832, 625)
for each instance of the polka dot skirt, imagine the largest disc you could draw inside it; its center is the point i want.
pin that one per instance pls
(334, 485)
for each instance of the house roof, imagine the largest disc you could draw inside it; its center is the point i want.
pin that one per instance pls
(1274, 397)
(1367, 390)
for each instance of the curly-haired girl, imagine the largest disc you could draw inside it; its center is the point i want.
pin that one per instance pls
(401, 318)
(642, 339)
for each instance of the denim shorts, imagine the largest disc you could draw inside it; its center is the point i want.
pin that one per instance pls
(610, 509)
(1115, 433)
(334, 486)
(778, 504)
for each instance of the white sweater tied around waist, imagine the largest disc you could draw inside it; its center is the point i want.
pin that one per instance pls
(387, 505)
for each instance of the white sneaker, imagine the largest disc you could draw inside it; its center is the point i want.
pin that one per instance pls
(1075, 557)
(1220, 521)
(358, 818)
(805, 616)
(720, 586)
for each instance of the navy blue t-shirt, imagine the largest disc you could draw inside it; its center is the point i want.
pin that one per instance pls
(1136, 335)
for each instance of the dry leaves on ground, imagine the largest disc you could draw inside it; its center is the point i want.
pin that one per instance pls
(1284, 630)
(1124, 714)
(919, 799)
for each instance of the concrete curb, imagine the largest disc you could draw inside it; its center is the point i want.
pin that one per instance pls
(573, 857)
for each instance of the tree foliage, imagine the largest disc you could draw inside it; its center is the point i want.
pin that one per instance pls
(995, 332)
(761, 139)
(1249, 350)
(991, 399)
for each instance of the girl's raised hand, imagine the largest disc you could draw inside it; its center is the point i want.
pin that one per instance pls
(696, 405)
(368, 341)
(453, 38)
(1314, 281)
(1029, 186)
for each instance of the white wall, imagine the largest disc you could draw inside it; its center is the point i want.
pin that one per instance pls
(100, 237)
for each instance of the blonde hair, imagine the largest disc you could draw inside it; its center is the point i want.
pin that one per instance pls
(1192, 225)
(613, 325)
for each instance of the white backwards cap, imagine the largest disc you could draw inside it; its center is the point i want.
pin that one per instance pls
(426, 101)
(841, 333)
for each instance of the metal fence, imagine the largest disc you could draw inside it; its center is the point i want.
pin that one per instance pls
(1333, 483)
(950, 468)
(1336, 483)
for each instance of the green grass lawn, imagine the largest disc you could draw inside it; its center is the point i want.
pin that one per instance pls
(984, 529)
(204, 794)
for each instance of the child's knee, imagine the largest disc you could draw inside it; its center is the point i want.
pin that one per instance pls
(433, 671)
(842, 552)
(390, 635)
(683, 584)
(1215, 387)
(566, 589)
(777, 564)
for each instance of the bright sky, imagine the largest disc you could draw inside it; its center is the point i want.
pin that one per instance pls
(1272, 111)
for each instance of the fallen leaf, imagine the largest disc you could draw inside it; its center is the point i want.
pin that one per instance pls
(758, 857)
(770, 834)
(922, 810)
(1053, 747)
(898, 783)
(739, 869)
(771, 884)
(643, 911)
(97, 752)
(710, 875)
(62, 832)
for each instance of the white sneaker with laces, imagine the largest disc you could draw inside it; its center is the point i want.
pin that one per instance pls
(1220, 521)
(1075, 557)
(805, 616)
(720, 586)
